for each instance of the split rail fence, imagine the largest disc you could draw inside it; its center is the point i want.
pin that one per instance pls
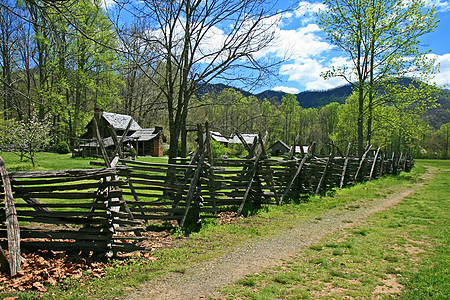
(105, 210)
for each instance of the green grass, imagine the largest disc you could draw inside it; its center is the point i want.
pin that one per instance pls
(401, 252)
(45, 161)
(355, 261)
(54, 161)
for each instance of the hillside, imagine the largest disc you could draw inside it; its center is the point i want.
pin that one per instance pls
(314, 99)
(309, 99)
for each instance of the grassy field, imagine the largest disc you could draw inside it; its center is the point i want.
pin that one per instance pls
(54, 161)
(401, 252)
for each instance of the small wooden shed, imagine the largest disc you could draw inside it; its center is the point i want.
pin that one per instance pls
(279, 148)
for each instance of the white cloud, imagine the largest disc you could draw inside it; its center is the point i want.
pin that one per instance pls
(300, 42)
(286, 89)
(308, 11)
(441, 6)
(307, 72)
(107, 4)
(442, 79)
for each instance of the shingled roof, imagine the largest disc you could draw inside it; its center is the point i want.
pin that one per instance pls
(120, 122)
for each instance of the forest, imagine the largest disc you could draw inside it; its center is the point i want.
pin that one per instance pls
(59, 62)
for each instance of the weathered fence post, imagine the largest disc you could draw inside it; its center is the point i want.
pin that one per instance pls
(382, 164)
(195, 178)
(210, 162)
(269, 177)
(361, 162)
(299, 169)
(325, 169)
(100, 140)
(12, 224)
(374, 163)
(252, 174)
(344, 169)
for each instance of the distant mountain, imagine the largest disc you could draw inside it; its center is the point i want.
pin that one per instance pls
(306, 99)
(314, 99)
(441, 114)
(217, 88)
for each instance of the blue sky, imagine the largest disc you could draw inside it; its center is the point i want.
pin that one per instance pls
(311, 53)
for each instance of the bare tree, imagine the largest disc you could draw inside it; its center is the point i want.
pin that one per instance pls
(8, 56)
(191, 43)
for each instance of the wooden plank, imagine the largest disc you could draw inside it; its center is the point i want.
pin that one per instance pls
(382, 164)
(76, 221)
(12, 223)
(75, 174)
(78, 187)
(344, 169)
(61, 234)
(62, 214)
(100, 139)
(63, 205)
(156, 183)
(152, 164)
(269, 179)
(192, 188)
(374, 163)
(250, 183)
(297, 172)
(34, 203)
(361, 162)
(71, 195)
(325, 169)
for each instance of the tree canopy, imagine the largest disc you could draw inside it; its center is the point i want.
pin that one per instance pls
(381, 40)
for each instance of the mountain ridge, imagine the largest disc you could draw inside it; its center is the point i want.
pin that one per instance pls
(315, 99)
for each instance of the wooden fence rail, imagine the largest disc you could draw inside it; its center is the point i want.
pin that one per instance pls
(89, 210)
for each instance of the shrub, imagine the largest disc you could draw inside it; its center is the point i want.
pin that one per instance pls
(218, 149)
(62, 148)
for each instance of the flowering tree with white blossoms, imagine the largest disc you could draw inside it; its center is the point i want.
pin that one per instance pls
(29, 137)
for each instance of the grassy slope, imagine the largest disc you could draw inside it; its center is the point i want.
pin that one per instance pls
(401, 226)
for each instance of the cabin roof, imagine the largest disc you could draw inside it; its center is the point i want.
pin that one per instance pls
(218, 137)
(283, 144)
(144, 134)
(249, 138)
(119, 121)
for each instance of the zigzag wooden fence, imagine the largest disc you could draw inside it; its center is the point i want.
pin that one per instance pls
(90, 210)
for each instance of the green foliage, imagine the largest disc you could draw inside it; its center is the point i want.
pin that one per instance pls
(218, 149)
(364, 30)
(62, 148)
(392, 127)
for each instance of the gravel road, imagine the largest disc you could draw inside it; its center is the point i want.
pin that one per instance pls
(203, 280)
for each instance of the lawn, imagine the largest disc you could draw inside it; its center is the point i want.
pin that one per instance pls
(54, 161)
